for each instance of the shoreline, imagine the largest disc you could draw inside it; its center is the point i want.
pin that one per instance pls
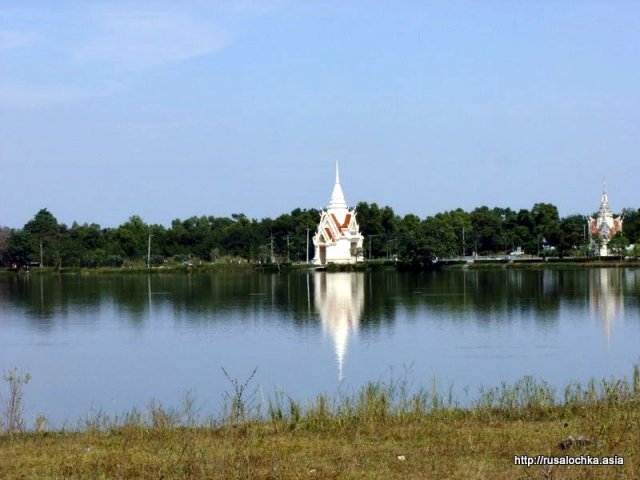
(480, 264)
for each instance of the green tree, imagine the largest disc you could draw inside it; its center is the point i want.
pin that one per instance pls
(487, 229)
(420, 243)
(524, 231)
(379, 226)
(304, 220)
(509, 232)
(21, 247)
(370, 221)
(241, 237)
(544, 213)
(557, 238)
(439, 236)
(130, 239)
(618, 244)
(546, 219)
(71, 247)
(44, 228)
(5, 236)
(574, 236)
(631, 224)
(412, 249)
(459, 221)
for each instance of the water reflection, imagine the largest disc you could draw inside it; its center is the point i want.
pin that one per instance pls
(339, 298)
(89, 338)
(606, 297)
(376, 299)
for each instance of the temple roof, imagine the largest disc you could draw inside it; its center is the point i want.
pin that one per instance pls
(605, 210)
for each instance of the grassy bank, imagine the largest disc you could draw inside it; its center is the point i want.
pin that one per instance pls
(202, 267)
(380, 432)
(135, 269)
(208, 267)
(560, 264)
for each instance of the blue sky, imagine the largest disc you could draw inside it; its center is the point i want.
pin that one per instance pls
(172, 109)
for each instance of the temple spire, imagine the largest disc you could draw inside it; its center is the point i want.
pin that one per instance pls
(337, 197)
(604, 204)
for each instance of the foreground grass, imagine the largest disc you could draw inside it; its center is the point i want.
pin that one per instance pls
(381, 432)
(451, 444)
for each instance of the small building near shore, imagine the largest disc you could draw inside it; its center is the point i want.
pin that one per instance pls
(603, 227)
(338, 238)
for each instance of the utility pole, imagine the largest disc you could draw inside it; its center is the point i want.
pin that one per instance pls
(538, 245)
(371, 241)
(390, 250)
(308, 245)
(288, 257)
(463, 241)
(272, 259)
(149, 251)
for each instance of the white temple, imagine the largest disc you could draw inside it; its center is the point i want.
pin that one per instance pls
(604, 226)
(339, 298)
(338, 239)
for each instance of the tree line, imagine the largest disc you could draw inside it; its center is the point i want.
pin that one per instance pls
(408, 238)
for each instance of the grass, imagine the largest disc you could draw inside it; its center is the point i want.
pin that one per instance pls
(365, 266)
(385, 430)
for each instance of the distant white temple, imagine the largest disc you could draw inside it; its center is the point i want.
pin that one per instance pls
(604, 226)
(338, 239)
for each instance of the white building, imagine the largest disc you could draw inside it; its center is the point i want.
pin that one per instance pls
(604, 226)
(338, 239)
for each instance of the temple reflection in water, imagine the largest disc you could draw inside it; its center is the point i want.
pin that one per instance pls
(339, 299)
(606, 297)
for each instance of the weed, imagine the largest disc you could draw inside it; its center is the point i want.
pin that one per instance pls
(160, 417)
(40, 425)
(189, 411)
(11, 408)
(238, 404)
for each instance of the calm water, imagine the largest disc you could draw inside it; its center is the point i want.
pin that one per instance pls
(114, 342)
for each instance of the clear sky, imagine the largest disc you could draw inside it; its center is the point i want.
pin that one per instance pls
(172, 109)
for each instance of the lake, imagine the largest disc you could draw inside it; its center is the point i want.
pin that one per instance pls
(115, 341)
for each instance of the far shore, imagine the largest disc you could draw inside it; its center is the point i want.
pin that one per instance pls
(480, 263)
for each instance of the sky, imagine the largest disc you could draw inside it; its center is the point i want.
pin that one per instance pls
(166, 110)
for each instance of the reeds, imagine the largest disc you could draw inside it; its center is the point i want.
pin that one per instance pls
(374, 403)
(386, 429)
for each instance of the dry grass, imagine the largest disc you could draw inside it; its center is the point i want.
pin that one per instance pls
(435, 445)
(379, 433)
